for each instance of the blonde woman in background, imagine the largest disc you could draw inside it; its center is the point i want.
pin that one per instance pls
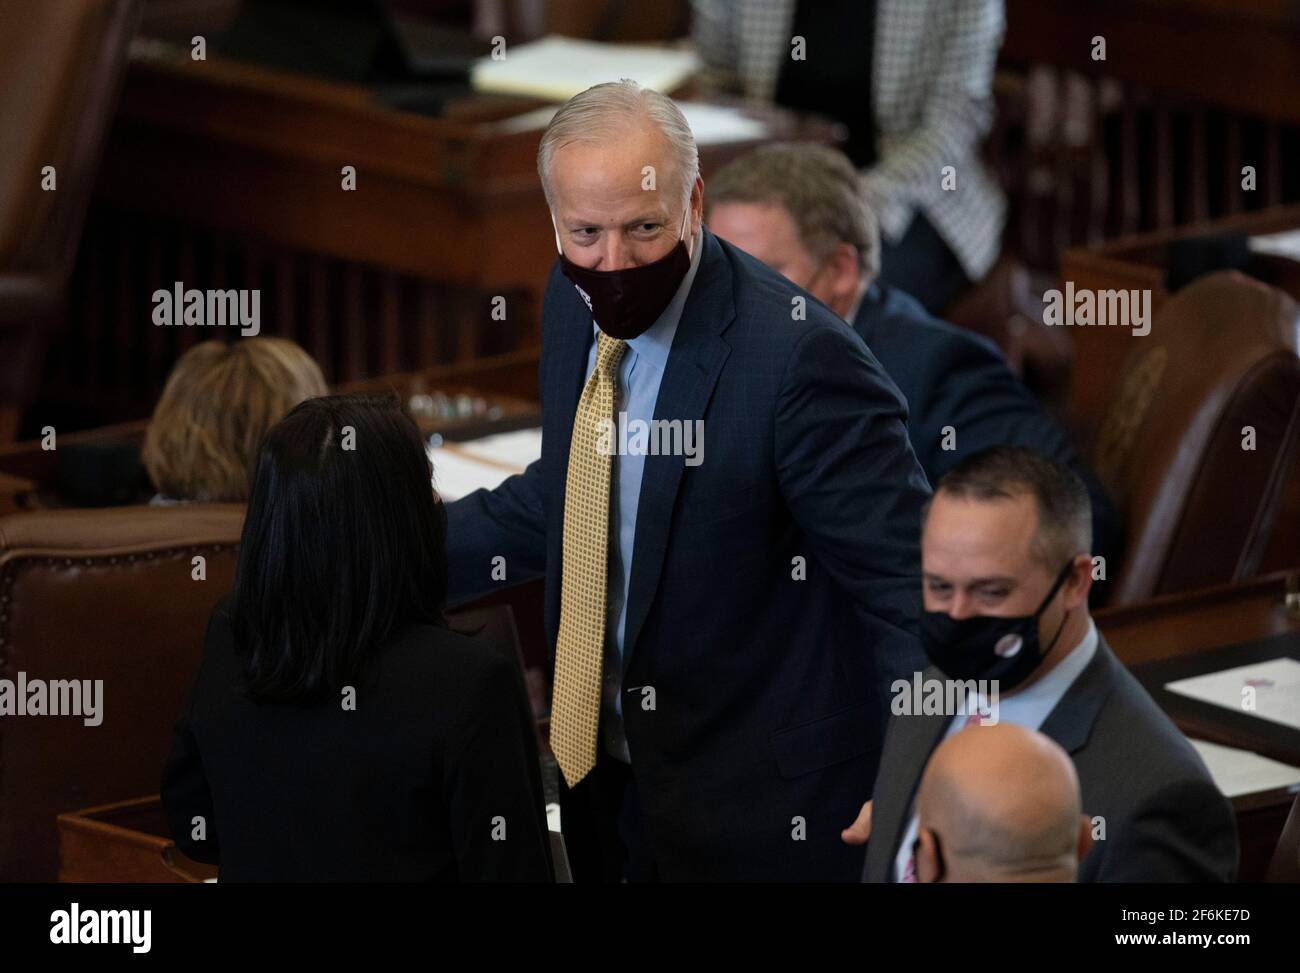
(219, 402)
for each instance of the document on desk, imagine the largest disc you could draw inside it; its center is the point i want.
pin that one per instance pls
(1284, 244)
(461, 468)
(557, 68)
(1268, 690)
(1237, 772)
(710, 124)
(513, 449)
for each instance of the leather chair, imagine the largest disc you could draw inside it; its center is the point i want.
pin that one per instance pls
(61, 64)
(1285, 866)
(1007, 308)
(99, 594)
(1199, 508)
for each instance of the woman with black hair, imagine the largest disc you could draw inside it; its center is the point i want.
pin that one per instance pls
(337, 729)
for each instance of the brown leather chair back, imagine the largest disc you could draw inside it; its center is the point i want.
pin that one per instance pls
(1199, 507)
(61, 63)
(100, 594)
(1285, 866)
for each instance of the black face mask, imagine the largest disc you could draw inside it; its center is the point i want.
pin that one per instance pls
(626, 302)
(988, 646)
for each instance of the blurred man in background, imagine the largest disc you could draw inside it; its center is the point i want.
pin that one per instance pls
(798, 209)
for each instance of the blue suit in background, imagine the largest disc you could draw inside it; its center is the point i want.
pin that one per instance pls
(774, 588)
(953, 377)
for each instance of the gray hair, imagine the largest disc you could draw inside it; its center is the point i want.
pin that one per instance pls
(604, 111)
(817, 186)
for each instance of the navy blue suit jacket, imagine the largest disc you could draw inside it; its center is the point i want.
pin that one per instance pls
(770, 680)
(953, 377)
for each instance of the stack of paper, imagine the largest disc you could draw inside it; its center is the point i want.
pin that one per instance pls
(510, 449)
(1237, 772)
(461, 468)
(557, 68)
(1267, 690)
(1285, 244)
(710, 124)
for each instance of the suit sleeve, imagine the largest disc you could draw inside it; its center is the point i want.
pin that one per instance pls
(186, 795)
(493, 782)
(975, 392)
(853, 484)
(1185, 832)
(507, 522)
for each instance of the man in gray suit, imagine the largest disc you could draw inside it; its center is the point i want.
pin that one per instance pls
(1005, 582)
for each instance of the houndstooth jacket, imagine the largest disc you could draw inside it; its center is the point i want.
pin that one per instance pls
(933, 104)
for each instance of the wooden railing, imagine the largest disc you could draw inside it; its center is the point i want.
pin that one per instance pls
(1154, 136)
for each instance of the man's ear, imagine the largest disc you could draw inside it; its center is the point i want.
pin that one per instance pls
(1079, 583)
(845, 271)
(927, 857)
(1085, 835)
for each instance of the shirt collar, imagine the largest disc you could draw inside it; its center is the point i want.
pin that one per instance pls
(656, 341)
(1032, 705)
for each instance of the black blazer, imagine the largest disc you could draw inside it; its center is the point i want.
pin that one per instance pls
(1165, 820)
(954, 377)
(436, 762)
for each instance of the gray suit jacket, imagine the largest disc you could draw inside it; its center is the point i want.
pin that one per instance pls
(1165, 820)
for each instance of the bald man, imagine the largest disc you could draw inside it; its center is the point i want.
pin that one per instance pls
(1000, 803)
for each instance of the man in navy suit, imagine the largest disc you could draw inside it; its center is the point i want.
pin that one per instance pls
(800, 209)
(758, 582)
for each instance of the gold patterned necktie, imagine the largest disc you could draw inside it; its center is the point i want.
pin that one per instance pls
(580, 647)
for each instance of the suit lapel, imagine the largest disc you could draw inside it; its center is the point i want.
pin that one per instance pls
(1070, 722)
(891, 818)
(694, 364)
(574, 345)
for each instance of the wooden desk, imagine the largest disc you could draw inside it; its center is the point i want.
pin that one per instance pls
(1176, 636)
(1175, 625)
(1262, 815)
(221, 174)
(128, 841)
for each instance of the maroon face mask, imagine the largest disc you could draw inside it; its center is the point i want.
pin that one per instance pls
(626, 302)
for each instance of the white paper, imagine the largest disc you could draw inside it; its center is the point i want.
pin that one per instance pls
(710, 124)
(1284, 244)
(1237, 772)
(557, 68)
(514, 449)
(1276, 686)
(456, 475)
(715, 124)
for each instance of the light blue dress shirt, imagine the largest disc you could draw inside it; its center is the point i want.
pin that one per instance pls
(639, 375)
(1027, 708)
